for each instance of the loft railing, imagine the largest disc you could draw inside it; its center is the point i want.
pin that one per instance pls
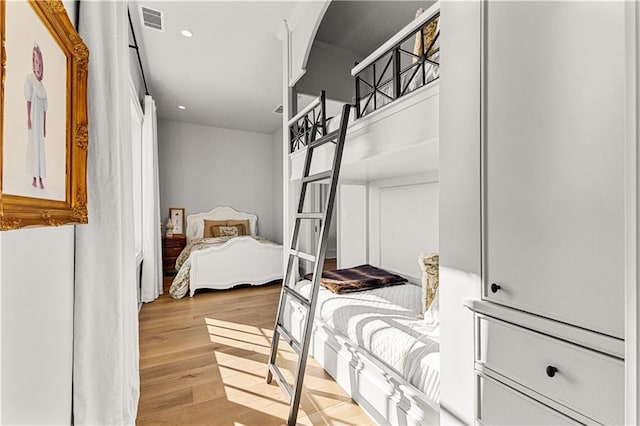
(406, 62)
(308, 124)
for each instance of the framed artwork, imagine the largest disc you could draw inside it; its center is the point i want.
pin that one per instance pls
(177, 219)
(43, 104)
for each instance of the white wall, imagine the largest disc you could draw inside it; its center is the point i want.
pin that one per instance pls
(276, 185)
(459, 205)
(352, 225)
(36, 317)
(403, 222)
(204, 167)
(329, 69)
(37, 325)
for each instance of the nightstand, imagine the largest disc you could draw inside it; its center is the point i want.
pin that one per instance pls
(171, 248)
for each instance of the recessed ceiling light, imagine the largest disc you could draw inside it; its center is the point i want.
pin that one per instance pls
(182, 107)
(186, 33)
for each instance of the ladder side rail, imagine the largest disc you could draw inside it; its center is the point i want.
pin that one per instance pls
(324, 235)
(288, 271)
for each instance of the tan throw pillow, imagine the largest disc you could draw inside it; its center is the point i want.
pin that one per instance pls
(228, 231)
(215, 230)
(245, 223)
(210, 228)
(423, 42)
(429, 263)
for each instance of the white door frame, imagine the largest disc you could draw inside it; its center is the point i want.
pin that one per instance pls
(632, 184)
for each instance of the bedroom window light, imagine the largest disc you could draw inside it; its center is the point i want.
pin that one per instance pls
(182, 107)
(186, 33)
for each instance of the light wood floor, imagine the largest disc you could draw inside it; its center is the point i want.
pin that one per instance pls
(203, 361)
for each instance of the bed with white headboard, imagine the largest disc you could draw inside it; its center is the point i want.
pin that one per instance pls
(240, 260)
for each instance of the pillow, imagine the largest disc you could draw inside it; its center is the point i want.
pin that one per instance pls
(245, 223)
(215, 230)
(241, 229)
(229, 231)
(429, 34)
(432, 315)
(430, 278)
(209, 227)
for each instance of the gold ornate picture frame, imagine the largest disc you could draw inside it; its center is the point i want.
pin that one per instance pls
(43, 108)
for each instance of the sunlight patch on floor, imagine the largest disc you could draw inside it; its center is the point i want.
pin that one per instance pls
(238, 327)
(242, 367)
(205, 362)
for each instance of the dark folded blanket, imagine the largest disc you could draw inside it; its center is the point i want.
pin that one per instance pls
(359, 278)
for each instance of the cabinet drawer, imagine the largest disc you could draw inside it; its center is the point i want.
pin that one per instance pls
(501, 405)
(174, 242)
(172, 251)
(168, 264)
(582, 375)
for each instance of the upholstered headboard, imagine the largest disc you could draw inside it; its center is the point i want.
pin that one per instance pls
(195, 222)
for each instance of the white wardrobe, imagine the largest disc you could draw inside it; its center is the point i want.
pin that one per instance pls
(550, 326)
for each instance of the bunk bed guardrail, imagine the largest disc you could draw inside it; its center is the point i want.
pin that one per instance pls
(308, 124)
(393, 70)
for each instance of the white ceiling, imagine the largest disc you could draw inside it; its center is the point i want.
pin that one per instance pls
(229, 74)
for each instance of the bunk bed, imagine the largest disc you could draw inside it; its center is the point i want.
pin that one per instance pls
(376, 343)
(380, 347)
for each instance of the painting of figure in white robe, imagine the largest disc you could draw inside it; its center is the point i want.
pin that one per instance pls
(36, 132)
(36, 96)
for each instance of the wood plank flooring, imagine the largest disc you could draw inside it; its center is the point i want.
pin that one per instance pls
(203, 361)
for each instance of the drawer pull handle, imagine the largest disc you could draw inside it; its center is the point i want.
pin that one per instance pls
(495, 287)
(551, 371)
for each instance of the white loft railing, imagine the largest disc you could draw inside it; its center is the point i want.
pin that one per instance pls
(308, 124)
(407, 61)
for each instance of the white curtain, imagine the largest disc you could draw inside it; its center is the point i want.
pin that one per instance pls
(151, 248)
(106, 378)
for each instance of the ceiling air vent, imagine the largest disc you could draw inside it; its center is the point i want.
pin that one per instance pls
(152, 18)
(278, 109)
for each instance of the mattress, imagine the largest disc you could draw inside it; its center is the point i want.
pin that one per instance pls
(386, 323)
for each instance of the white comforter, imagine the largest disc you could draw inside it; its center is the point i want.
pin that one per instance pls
(387, 323)
(180, 284)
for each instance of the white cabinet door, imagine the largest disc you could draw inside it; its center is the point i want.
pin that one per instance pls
(553, 160)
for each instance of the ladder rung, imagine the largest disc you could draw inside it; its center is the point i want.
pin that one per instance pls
(303, 255)
(317, 177)
(329, 137)
(305, 302)
(281, 381)
(318, 215)
(289, 338)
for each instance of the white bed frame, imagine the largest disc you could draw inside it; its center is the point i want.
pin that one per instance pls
(381, 392)
(387, 397)
(241, 260)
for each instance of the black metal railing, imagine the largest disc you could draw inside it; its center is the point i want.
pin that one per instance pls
(308, 124)
(399, 69)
